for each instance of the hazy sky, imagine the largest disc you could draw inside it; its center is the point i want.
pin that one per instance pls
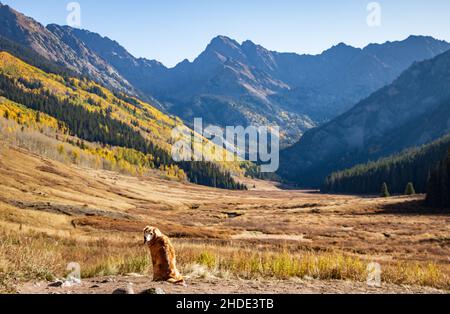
(172, 30)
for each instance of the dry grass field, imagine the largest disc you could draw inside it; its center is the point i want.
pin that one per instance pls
(52, 214)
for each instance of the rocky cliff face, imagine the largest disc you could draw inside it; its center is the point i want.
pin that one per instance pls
(59, 47)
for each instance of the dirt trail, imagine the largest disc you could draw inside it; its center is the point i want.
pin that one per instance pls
(107, 285)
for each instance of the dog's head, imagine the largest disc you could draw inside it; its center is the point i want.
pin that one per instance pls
(151, 233)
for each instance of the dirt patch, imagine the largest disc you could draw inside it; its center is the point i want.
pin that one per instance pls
(107, 285)
(233, 214)
(105, 223)
(248, 235)
(68, 210)
(50, 169)
(299, 206)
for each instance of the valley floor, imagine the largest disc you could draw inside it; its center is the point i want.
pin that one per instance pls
(52, 214)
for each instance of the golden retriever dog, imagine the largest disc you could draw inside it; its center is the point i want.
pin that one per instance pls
(163, 256)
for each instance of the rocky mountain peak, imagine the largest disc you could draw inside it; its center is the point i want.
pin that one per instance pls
(222, 48)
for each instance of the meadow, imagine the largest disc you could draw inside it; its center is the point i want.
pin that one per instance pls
(53, 213)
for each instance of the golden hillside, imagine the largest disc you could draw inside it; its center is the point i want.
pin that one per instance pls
(151, 123)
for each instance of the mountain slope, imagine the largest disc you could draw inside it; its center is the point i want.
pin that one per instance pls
(59, 48)
(33, 58)
(95, 114)
(293, 91)
(439, 185)
(137, 73)
(223, 94)
(411, 111)
(413, 165)
(153, 124)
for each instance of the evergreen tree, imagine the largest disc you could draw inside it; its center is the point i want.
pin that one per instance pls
(410, 189)
(439, 185)
(384, 190)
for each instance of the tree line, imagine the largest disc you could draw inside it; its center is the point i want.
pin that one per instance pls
(412, 166)
(439, 185)
(100, 127)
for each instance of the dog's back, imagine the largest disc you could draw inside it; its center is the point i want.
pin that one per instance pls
(164, 261)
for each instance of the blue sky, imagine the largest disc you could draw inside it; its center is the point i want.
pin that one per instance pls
(172, 30)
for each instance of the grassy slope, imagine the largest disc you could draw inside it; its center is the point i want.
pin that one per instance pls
(42, 134)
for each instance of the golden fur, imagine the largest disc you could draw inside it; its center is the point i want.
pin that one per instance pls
(163, 256)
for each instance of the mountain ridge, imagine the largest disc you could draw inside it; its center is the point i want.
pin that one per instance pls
(412, 111)
(232, 83)
(66, 51)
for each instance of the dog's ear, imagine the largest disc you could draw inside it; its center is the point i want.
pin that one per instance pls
(158, 232)
(146, 229)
